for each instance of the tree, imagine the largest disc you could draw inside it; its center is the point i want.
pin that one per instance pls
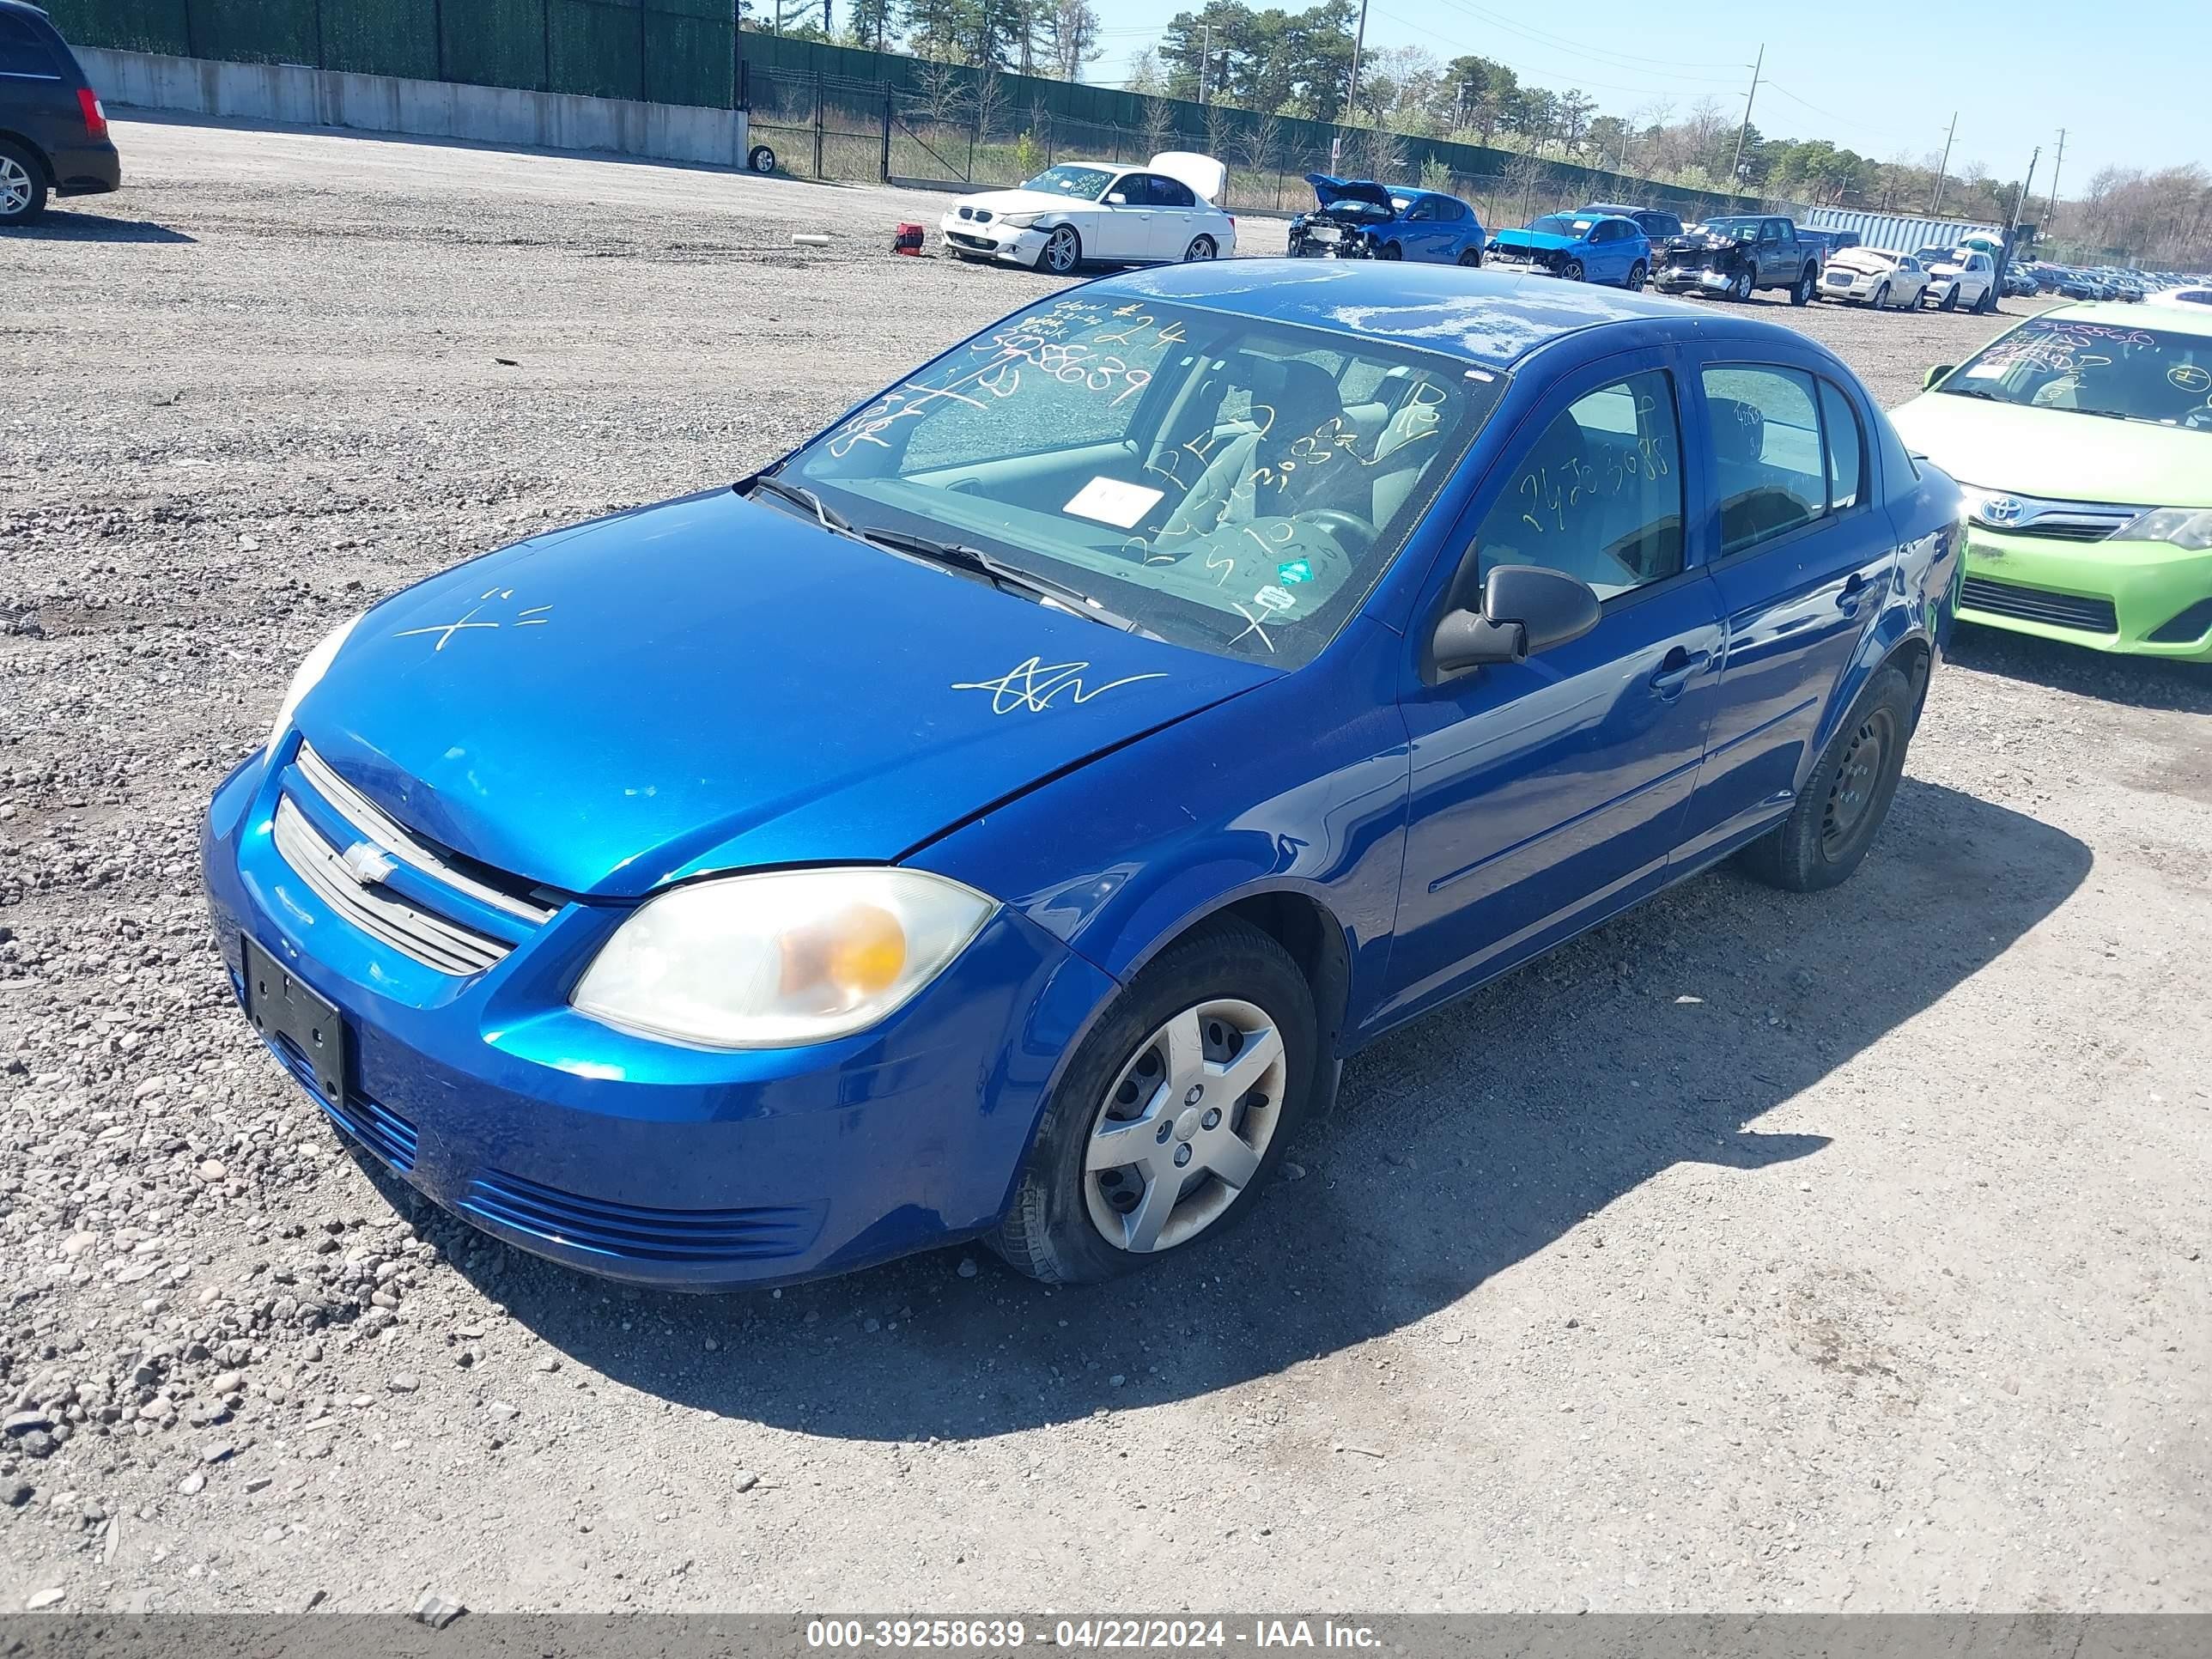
(868, 23)
(1067, 32)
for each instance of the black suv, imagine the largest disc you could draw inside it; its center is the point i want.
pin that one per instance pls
(53, 133)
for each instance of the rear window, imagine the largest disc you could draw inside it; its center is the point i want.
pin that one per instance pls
(23, 49)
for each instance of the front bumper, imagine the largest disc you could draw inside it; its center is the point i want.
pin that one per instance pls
(1860, 286)
(990, 240)
(2146, 598)
(1690, 279)
(681, 1168)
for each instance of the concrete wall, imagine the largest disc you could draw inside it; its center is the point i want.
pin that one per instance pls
(437, 109)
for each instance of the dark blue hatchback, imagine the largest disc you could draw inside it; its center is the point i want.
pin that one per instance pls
(1001, 817)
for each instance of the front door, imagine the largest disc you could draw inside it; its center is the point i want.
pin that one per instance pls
(1805, 554)
(1549, 793)
(1124, 222)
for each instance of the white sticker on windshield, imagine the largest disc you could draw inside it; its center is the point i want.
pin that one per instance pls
(1275, 599)
(1985, 372)
(1109, 500)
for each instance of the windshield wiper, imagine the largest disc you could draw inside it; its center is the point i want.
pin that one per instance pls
(1974, 391)
(958, 556)
(829, 518)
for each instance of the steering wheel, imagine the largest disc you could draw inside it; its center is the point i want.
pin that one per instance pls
(1351, 532)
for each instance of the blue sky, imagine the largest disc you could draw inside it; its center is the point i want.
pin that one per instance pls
(1879, 75)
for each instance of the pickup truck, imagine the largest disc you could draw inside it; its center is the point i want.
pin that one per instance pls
(1733, 254)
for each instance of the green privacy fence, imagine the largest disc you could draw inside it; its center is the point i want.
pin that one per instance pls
(669, 52)
(842, 111)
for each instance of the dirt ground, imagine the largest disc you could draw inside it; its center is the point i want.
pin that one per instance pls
(1755, 1252)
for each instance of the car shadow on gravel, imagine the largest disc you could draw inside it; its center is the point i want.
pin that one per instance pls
(2139, 682)
(59, 225)
(1460, 1145)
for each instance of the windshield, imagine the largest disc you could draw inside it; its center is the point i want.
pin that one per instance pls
(2096, 369)
(1085, 184)
(1558, 224)
(1743, 230)
(1227, 484)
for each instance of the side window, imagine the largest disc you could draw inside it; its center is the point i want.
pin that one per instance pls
(1767, 465)
(23, 49)
(1421, 212)
(1846, 444)
(1132, 186)
(1170, 192)
(1599, 495)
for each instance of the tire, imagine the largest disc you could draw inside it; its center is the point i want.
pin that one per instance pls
(1062, 252)
(1055, 1228)
(1881, 296)
(1471, 258)
(22, 185)
(1987, 303)
(1200, 248)
(1391, 251)
(1950, 299)
(1635, 283)
(1808, 282)
(1571, 272)
(761, 159)
(1842, 804)
(1739, 288)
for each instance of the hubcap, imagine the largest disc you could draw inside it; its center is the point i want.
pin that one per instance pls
(15, 185)
(1851, 796)
(1185, 1125)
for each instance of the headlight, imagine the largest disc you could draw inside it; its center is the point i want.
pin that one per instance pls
(2185, 527)
(311, 668)
(777, 960)
(1018, 220)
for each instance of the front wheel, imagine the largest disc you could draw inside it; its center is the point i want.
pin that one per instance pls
(1175, 1110)
(23, 185)
(1950, 299)
(1201, 247)
(1881, 296)
(761, 159)
(1391, 251)
(1572, 270)
(1739, 288)
(1636, 274)
(1061, 252)
(1842, 804)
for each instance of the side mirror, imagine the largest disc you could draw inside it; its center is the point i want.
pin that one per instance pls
(1116, 199)
(1935, 374)
(1525, 608)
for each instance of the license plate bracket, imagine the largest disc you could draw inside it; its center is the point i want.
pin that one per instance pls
(280, 1006)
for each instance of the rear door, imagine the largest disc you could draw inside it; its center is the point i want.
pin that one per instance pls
(1804, 555)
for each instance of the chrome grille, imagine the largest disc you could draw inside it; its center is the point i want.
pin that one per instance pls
(2053, 520)
(431, 940)
(378, 826)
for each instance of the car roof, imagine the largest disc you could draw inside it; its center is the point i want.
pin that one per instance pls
(2178, 319)
(1494, 318)
(1615, 209)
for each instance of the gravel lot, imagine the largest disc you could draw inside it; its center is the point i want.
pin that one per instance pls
(1755, 1252)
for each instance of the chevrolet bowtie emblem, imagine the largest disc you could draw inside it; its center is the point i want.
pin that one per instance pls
(367, 864)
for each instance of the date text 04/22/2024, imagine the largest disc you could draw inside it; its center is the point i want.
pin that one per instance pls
(1091, 1634)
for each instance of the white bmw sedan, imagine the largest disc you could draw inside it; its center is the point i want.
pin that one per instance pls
(1875, 276)
(1099, 212)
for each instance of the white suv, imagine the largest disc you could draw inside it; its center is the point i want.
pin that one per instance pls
(1968, 277)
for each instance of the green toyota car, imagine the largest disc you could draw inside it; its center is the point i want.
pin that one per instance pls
(2082, 438)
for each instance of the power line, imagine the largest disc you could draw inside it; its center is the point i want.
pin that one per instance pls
(1519, 67)
(1626, 60)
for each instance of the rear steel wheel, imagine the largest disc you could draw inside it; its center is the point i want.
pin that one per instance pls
(1842, 805)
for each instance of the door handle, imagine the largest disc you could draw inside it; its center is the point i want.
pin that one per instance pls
(1853, 596)
(1675, 668)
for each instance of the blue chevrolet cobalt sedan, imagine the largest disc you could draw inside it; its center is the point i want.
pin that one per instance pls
(1001, 817)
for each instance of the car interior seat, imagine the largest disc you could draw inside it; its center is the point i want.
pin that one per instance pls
(1290, 399)
(1754, 502)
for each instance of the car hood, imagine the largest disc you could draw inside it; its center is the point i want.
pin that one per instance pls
(1330, 191)
(2058, 454)
(1551, 241)
(1021, 201)
(709, 684)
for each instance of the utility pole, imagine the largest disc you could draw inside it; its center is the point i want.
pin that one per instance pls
(2051, 213)
(1944, 168)
(1735, 168)
(1352, 95)
(1204, 62)
(2021, 200)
